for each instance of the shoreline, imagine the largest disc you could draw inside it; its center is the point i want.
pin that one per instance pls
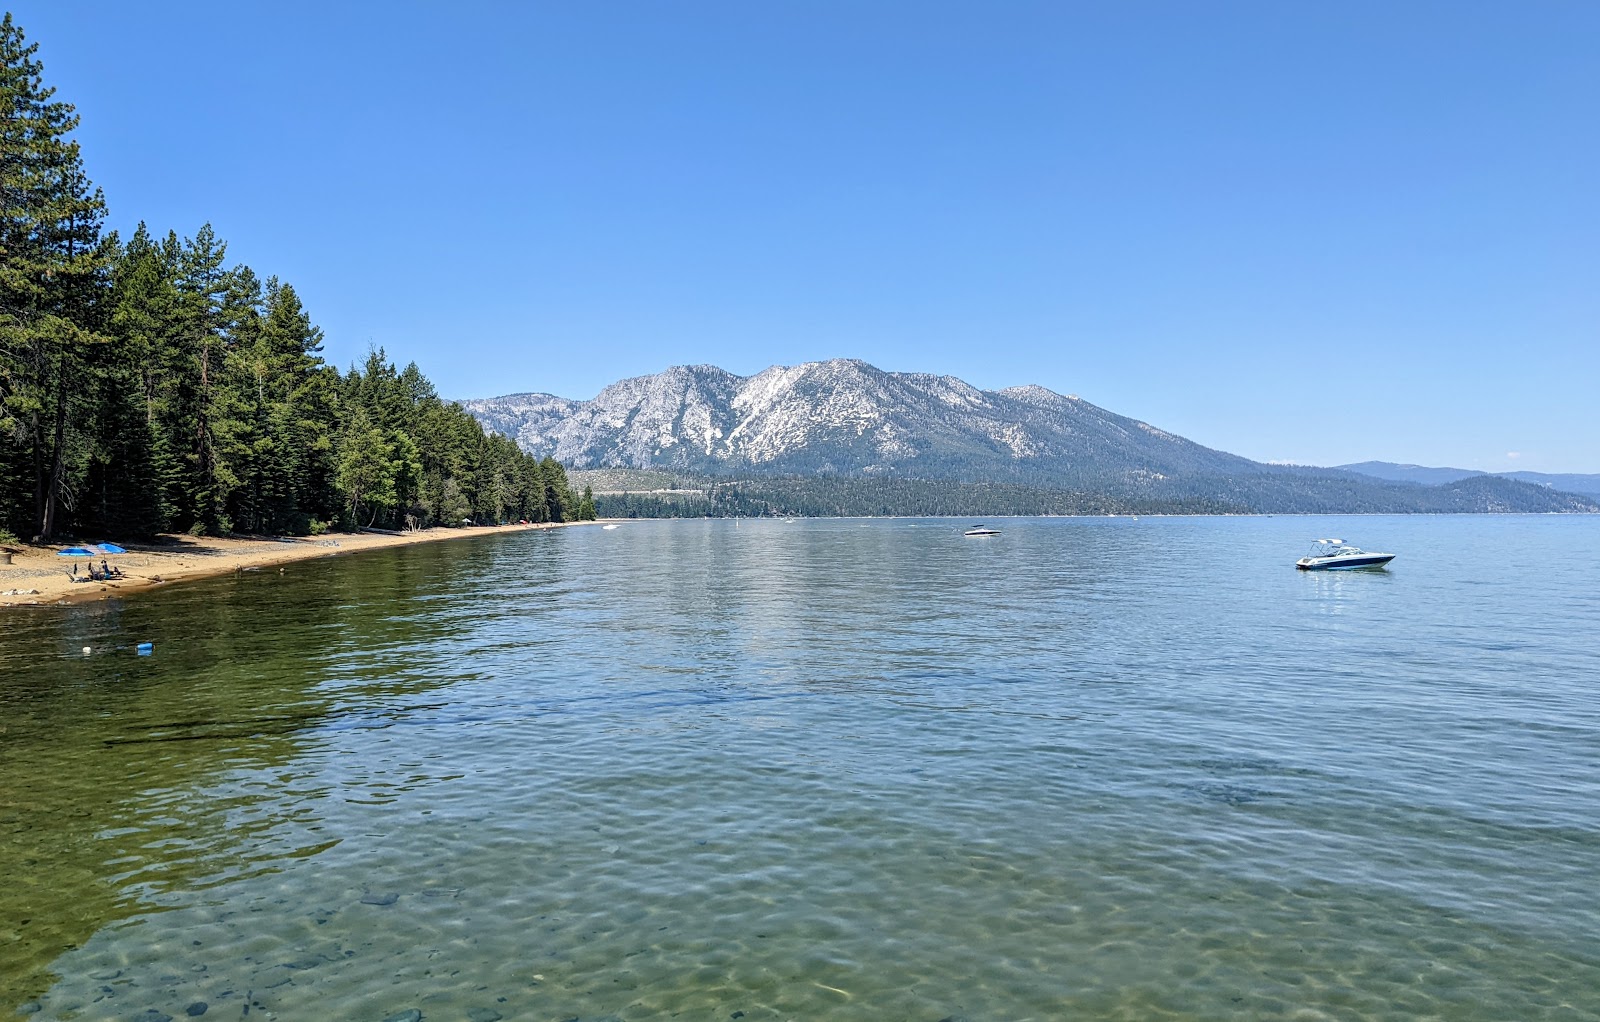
(38, 577)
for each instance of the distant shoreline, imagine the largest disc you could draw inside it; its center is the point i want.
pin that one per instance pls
(178, 558)
(1119, 514)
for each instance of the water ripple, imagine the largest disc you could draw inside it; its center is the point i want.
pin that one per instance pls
(841, 769)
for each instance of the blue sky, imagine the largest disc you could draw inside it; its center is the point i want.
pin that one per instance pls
(1318, 233)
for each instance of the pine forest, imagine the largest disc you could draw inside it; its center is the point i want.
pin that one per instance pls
(148, 385)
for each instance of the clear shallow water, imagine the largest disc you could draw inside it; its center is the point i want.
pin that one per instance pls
(1092, 768)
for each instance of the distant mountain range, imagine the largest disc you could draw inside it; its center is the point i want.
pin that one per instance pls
(841, 417)
(846, 420)
(1570, 482)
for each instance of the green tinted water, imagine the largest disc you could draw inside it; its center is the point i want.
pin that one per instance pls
(835, 769)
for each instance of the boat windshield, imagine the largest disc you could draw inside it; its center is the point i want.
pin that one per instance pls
(1334, 548)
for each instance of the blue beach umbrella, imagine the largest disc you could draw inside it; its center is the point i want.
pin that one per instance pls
(74, 551)
(109, 548)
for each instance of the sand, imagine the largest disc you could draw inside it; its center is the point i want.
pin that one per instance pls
(38, 577)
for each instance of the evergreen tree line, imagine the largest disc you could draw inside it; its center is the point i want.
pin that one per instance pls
(148, 385)
(1261, 493)
(854, 496)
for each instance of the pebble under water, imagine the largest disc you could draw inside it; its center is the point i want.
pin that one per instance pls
(842, 769)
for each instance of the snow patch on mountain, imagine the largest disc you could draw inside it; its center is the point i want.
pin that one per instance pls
(842, 416)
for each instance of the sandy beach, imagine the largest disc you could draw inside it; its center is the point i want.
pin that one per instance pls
(37, 576)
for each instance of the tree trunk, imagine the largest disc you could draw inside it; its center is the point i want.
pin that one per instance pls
(39, 485)
(58, 465)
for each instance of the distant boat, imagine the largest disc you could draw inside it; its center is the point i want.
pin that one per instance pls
(1336, 555)
(608, 528)
(981, 530)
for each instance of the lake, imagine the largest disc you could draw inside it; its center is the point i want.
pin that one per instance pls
(843, 769)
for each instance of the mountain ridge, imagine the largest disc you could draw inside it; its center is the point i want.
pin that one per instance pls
(1571, 482)
(841, 415)
(846, 418)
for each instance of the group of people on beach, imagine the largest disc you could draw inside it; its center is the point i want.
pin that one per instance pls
(104, 573)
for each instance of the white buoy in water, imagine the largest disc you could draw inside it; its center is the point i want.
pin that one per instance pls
(86, 651)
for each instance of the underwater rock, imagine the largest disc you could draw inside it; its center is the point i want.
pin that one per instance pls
(409, 1015)
(380, 899)
(483, 1015)
(196, 1009)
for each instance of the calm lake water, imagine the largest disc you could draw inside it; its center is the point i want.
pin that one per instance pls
(1090, 768)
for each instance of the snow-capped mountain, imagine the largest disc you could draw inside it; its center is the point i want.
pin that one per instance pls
(848, 420)
(847, 417)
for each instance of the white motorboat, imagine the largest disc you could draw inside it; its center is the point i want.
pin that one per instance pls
(981, 530)
(1336, 554)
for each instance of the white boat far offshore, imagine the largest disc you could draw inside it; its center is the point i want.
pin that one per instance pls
(1337, 555)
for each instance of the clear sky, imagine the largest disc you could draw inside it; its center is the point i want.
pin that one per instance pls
(1318, 233)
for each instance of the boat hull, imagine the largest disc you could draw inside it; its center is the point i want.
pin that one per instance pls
(1343, 563)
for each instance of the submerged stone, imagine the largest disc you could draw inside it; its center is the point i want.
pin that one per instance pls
(483, 1015)
(380, 899)
(409, 1015)
(196, 1009)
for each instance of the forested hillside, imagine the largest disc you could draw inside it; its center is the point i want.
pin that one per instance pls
(825, 496)
(844, 437)
(621, 493)
(148, 384)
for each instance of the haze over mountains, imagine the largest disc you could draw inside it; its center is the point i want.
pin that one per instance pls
(845, 419)
(1571, 482)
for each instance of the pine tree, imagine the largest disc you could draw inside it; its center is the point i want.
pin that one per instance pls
(286, 373)
(203, 284)
(366, 470)
(53, 267)
(558, 497)
(152, 386)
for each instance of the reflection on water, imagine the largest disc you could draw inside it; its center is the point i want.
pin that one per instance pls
(1096, 768)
